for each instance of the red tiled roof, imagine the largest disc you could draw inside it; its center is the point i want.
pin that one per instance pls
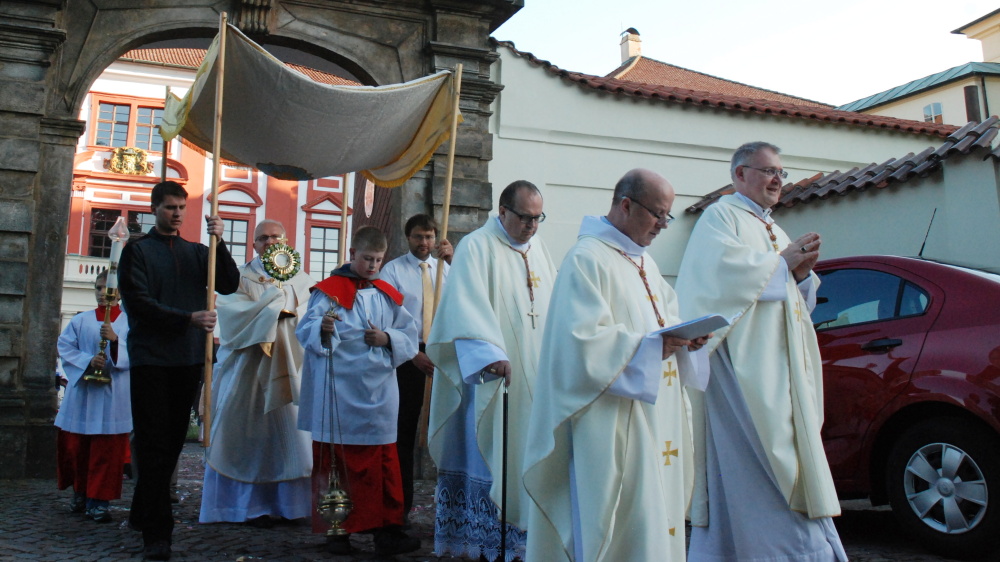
(191, 58)
(667, 94)
(645, 70)
(973, 136)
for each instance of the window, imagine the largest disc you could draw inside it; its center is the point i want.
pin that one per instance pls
(235, 235)
(118, 123)
(854, 296)
(932, 113)
(101, 221)
(140, 223)
(323, 251)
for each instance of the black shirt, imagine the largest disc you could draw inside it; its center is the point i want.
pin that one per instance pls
(162, 280)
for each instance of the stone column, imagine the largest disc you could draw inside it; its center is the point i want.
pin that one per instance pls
(36, 161)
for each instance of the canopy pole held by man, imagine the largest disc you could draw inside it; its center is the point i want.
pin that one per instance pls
(212, 241)
(425, 409)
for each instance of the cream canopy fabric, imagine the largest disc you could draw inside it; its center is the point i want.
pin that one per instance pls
(290, 127)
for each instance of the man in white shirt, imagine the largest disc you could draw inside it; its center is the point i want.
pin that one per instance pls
(414, 274)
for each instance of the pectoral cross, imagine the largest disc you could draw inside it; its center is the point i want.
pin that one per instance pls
(533, 315)
(667, 453)
(670, 374)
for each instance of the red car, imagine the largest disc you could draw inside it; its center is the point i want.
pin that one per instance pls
(911, 367)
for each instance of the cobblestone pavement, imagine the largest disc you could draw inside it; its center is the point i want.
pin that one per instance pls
(35, 524)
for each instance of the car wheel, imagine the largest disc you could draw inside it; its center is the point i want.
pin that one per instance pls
(940, 476)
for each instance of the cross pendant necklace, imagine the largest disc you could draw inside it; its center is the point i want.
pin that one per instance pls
(641, 266)
(532, 280)
(770, 231)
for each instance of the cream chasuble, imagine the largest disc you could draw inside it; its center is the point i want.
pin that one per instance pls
(487, 299)
(728, 263)
(631, 460)
(256, 387)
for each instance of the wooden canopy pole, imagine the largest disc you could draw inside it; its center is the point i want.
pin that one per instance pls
(425, 410)
(163, 152)
(342, 239)
(212, 240)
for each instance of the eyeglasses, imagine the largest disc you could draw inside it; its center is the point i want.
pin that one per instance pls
(665, 218)
(770, 172)
(527, 219)
(265, 237)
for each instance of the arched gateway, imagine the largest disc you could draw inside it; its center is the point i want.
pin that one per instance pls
(51, 51)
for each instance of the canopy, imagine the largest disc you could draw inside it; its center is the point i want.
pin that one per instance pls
(290, 127)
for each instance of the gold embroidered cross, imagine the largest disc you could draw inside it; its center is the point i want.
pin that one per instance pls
(798, 313)
(670, 374)
(666, 454)
(672, 531)
(653, 298)
(535, 280)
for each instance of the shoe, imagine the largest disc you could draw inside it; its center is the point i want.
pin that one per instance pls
(340, 544)
(78, 504)
(159, 550)
(99, 514)
(392, 540)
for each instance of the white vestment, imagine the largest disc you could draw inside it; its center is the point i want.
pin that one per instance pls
(358, 402)
(484, 313)
(610, 463)
(92, 408)
(760, 418)
(259, 462)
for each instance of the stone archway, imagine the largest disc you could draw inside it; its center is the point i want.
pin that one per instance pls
(52, 51)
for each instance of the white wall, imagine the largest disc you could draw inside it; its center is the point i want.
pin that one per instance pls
(952, 99)
(575, 145)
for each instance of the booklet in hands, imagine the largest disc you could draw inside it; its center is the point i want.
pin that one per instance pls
(694, 329)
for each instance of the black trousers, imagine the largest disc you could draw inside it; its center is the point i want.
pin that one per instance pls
(411, 382)
(161, 411)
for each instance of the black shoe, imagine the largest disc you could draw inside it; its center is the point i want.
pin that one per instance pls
(159, 550)
(340, 544)
(78, 504)
(392, 540)
(99, 514)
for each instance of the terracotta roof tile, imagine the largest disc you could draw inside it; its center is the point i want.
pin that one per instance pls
(191, 58)
(972, 137)
(645, 70)
(726, 102)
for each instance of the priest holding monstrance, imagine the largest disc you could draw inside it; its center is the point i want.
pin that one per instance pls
(487, 332)
(259, 463)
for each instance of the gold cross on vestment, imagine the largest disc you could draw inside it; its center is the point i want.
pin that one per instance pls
(670, 374)
(798, 313)
(672, 531)
(535, 279)
(666, 454)
(653, 298)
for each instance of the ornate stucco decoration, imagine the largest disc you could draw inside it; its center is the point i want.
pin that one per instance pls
(252, 16)
(129, 160)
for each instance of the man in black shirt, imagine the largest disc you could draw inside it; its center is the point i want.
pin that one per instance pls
(163, 281)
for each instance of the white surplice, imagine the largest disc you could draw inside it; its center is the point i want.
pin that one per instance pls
(484, 317)
(90, 408)
(259, 462)
(610, 463)
(358, 404)
(759, 420)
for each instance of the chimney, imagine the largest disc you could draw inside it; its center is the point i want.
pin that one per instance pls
(631, 45)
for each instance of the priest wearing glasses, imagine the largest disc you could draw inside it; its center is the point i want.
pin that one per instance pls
(763, 488)
(610, 465)
(487, 333)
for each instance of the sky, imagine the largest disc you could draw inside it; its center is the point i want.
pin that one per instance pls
(832, 52)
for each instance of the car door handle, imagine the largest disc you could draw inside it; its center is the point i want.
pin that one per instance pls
(884, 343)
